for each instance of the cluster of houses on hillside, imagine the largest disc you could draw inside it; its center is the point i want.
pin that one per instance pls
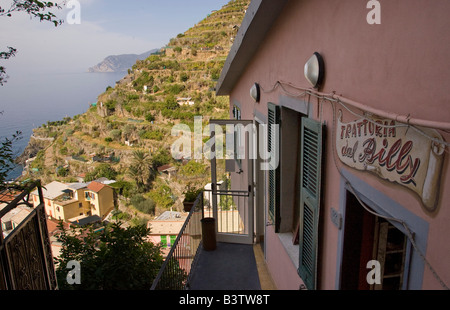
(81, 203)
(73, 203)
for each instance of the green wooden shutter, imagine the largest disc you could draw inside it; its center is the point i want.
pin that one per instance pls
(310, 192)
(164, 241)
(274, 172)
(172, 240)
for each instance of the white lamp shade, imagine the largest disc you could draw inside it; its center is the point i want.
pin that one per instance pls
(314, 70)
(255, 92)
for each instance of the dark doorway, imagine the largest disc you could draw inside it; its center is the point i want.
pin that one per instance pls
(358, 245)
(368, 237)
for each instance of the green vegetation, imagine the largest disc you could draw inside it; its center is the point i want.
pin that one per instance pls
(7, 156)
(115, 258)
(101, 171)
(191, 193)
(193, 168)
(145, 205)
(162, 195)
(126, 136)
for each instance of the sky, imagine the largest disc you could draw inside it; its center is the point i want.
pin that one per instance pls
(107, 27)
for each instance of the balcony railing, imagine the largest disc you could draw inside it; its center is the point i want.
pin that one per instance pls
(175, 271)
(26, 261)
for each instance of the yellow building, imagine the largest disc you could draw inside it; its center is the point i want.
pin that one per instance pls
(76, 200)
(100, 197)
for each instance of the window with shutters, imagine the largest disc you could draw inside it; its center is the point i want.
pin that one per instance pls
(164, 241)
(311, 153)
(274, 172)
(172, 240)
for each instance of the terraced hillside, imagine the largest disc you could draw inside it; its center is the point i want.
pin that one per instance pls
(126, 135)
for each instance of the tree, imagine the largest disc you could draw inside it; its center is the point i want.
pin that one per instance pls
(7, 156)
(140, 168)
(163, 196)
(34, 8)
(103, 170)
(145, 205)
(115, 258)
(161, 157)
(171, 102)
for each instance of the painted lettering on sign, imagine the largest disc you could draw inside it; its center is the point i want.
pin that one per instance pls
(395, 153)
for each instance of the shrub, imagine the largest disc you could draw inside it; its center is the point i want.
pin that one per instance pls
(102, 170)
(193, 168)
(163, 196)
(116, 258)
(62, 172)
(123, 188)
(133, 96)
(191, 193)
(184, 77)
(145, 205)
(175, 89)
(116, 134)
(153, 135)
(162, 157)
(149, 117)
(111, 105)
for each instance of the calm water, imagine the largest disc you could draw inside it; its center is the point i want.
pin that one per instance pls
(29, 101)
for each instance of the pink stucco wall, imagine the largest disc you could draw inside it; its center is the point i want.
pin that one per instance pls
(400, 66)
(280, 266)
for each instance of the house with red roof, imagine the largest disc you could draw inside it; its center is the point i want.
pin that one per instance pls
(100, 197)
(77, 203)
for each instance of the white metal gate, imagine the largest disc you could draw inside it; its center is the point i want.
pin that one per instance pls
(232, 204)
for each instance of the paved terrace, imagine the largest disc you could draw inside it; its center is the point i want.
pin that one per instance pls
(231, 267)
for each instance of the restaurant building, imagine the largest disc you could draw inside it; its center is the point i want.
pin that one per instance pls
(352, 95)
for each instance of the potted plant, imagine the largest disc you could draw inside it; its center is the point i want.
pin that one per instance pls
(190, 194)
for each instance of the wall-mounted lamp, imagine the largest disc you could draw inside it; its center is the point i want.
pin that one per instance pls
(255, 92)
(314, 70)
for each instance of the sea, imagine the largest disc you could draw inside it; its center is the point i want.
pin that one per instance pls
(28, 101)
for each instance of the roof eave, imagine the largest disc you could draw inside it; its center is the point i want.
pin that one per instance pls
(260, 16)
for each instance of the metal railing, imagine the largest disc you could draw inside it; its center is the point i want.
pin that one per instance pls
(176, 269)
(175, 272)
(26, 261)
(232, 210)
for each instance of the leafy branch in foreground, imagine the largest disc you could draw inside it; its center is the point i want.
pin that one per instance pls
(114, 258)
(34, 8)
(7, 156)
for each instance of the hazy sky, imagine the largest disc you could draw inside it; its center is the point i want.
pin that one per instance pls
(108, 27)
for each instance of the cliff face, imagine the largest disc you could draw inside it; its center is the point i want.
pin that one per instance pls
(120, 63)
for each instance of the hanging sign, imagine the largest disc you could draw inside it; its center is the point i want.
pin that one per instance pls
(395, 152)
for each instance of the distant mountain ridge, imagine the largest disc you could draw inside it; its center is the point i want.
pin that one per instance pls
(120, 63)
